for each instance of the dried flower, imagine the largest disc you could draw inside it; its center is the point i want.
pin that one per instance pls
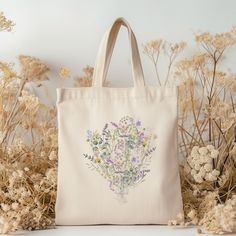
(153, 46)
(86, 79)
(153, 50)
(28, 100)
(27, 129)
(228, 82)
(221, 218)
(6, 72)
(5, 24)
(64, 72)
(32, 69)
(207, 124)
(217, 41)
(201, 162)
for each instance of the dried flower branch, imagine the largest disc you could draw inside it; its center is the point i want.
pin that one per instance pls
(28, 151)
(154, 48)
(5, 24)
(32, 69)
(207, 125)
(86, 79)
(207, 130)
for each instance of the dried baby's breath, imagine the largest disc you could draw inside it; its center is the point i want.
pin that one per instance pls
(64, 72)
(207, 138)
(201, 162)
(221, 218)
(6, 71)
(228, 82)
(86, 79)
(154, 48)
(28, 129)
(32, 69)
(5, 24)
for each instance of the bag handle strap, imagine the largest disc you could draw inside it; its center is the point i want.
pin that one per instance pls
(106, 50)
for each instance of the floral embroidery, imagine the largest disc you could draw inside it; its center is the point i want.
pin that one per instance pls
(121, 153)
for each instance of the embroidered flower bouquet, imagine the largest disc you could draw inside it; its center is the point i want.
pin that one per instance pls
(121, 153)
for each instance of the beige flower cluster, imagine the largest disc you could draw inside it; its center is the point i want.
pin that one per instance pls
(64, 72)
(221, 218)
(28, 151)
(227, 81)
(5, 24)
(154, 48)
(206, 116)
(28, 100)
(201, 162)
(218, 41)
(86, 79)
(33, 69)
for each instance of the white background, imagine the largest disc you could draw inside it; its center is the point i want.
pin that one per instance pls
(68, 32)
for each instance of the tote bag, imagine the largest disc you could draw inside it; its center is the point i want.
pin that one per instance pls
(117, 148)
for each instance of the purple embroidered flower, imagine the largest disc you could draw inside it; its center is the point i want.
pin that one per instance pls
(114, 124)
(138, 123)
(133, 159)
(89, 135)
(108, 161)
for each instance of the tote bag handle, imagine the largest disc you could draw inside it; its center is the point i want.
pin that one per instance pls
(106, 50)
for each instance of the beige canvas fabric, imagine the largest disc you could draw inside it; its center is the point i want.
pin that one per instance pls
(117, 148)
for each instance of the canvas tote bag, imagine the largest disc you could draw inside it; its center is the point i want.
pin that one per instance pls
(117, 148)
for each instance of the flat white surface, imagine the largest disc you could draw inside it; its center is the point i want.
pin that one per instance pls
(147, 230)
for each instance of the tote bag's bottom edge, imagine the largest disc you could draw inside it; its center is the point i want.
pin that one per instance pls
(159, 222)
(82, 225)
(112, 224)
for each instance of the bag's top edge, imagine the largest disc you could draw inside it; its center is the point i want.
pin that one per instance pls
(120, 88)
(115, 93)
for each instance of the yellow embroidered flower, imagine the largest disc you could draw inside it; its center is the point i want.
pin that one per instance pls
(98, 159)
(144, 143)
